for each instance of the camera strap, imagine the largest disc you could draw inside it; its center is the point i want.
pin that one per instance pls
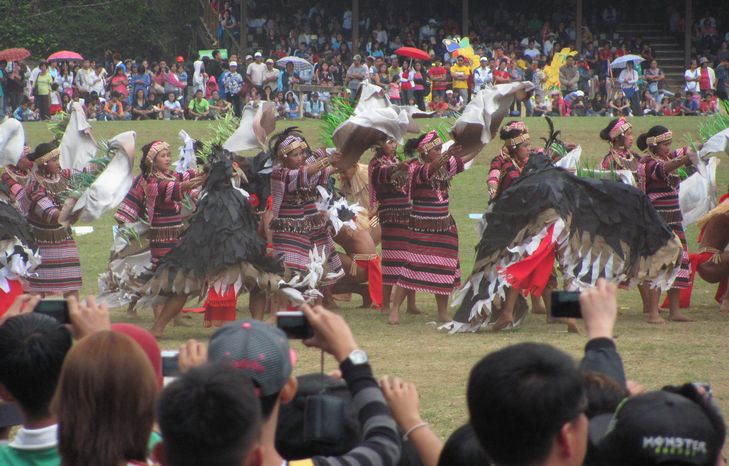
(321, 374)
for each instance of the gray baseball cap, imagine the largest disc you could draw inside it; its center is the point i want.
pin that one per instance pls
(260, 350)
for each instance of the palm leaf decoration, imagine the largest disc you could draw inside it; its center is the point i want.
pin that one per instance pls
(338, 112)
(218, 132)
(711, 126)
(58, 125)
(81, 181)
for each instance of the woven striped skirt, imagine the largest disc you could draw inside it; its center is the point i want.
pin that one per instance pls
(60, 268)
(395, 245)
(432, 263)
(294, 249)
(669, 210)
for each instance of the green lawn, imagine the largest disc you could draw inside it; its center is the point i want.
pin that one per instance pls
(439, 364)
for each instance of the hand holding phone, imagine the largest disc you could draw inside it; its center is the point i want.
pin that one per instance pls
(55, 308)
(565, 304)
(294, 324)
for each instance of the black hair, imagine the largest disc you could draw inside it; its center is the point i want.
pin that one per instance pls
(463, 449)
(210, 415)
(520, 397)
(605, 133)
(42, 149)
(32, 349)
(143, 164)
(603, 393)
(411, 146)
(505, 134)
(642, 140)
(277, 139)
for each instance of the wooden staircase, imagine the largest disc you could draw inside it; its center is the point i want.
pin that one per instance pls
(669, 54)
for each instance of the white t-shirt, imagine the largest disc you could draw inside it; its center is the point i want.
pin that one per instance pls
(255, 72)
(172, 105)
(532, 53)
(692, 86)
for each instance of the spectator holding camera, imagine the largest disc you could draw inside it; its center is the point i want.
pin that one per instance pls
(242, 344)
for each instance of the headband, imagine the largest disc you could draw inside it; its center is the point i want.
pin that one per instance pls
(157, 147)
(655, 140)
(516, 125)
(429, 141)
(513, 142)
(620, 128)
(291, 143)
(46, 157)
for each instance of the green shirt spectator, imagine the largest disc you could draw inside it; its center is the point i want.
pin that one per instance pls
(199, 107)
(43, 84)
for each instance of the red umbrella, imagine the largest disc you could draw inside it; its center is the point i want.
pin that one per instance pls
(65, 55)
(17, 54)
(412, 52)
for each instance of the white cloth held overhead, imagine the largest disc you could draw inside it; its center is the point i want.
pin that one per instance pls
(187, 153)
(257, 122)
(12, 140)
(697, 195)
(78, 146)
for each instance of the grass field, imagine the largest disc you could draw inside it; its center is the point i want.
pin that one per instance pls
(439, 364)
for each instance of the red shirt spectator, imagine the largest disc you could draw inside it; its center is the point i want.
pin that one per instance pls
(439, 78)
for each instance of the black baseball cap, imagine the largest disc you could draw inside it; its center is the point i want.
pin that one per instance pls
(657, 428)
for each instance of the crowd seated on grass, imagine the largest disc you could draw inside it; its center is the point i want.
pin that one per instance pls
(528, 403)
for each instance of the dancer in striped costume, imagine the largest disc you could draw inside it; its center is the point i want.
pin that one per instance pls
(619, 134)
(298, 226)
(390, 200)
(658, 178)
(60, 269)
(505, 169)
(13, 182)
(508, 165)
(163, 191)
(431, 263)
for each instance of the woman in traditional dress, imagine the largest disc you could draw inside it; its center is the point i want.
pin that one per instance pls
(60, 270)
(659, 179)
(508, 165)
(13, 182)
(431, 263)
(389, 182)
(619, 134)
(505, 169)
(164, 191)
(220, 252)
(297, 226)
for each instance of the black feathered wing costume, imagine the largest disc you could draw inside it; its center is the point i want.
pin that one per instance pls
(18, 252)
(220, 247)
(597, 228)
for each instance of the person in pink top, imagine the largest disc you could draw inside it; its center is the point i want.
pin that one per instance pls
(119, 83)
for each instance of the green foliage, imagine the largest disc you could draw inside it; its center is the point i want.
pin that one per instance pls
(339, 111)
(135, 28)
(711, 125)
(218, 133)
(58, 125)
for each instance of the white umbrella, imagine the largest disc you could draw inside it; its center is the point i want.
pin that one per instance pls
(621, 61)
(299, 63)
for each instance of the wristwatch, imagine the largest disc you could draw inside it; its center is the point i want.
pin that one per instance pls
(358, 357)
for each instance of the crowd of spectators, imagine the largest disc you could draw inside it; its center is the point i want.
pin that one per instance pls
(513, 45)
(94, 393)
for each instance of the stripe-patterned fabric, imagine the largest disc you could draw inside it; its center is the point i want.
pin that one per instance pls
(163, 196)
(392, 204)
(662, 188)
(60, 268)
(432, 262)
(132, 207)
(296, 228)
(14, 180)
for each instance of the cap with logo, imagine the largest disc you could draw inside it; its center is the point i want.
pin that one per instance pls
(260, 350)
(656, 428)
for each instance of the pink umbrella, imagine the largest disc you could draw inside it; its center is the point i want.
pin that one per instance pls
(64, 55)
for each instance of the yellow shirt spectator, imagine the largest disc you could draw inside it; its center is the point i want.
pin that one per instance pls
(460, 74)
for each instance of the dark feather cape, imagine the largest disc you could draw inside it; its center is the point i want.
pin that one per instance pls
(13, 225)
(612, 230)
(221, 242)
